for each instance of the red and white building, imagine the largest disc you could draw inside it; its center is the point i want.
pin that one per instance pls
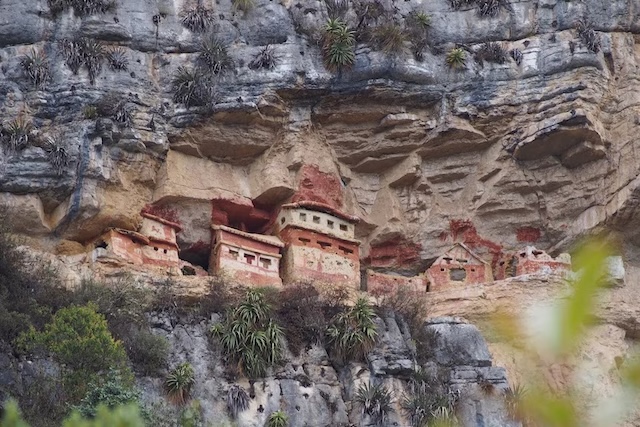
(459, 266)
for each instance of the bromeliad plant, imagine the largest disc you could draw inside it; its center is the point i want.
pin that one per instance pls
(179, 382)
(57, 154)
(214, 54)
(338, 45)
(250, 338)
(456, 58)
(198, 19)
(278, 419)
(237, 400)
(192, 87)
(265, 59)
(83, 51)
(16, 135)
(352, 333)
(375, 401)
(117, 58)
(36, 66)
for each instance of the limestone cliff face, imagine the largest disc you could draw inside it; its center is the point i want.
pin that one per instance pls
(541, 150)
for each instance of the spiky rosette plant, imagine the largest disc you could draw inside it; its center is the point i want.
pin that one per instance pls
(198, 19)
(243, 5)
(192, 87)
(375, 401)
(250, 338)
(56, 154)
(390, 38)
(278, 419)
(266, 58)
(93, 53)
(237, 400)
(352, 333)
(36, 66)
(117, 58)
(338, 45)
(456, 58)
(492, 52)
(587, 35)
(418, 24)
(16, 135)
(214, 54)
(337, 9)
(179, 382)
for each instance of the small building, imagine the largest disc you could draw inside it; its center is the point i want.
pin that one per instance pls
(531, 261)
(247, 258)
(459, 266)
(381, 284)
(320, 244)
(118, 245)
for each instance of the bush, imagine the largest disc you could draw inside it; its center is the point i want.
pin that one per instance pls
(492, 52)
(352, 333)
(338, 45)
(514, 398)
(278, 419)
(374, 401)
(265, 59)
(237, 400)
(115, 107)
(587, 35)
(418, 24)
(16, 135)
(117, 58)
(179, 382)
(148, 352)
(337, 9)
(111, 393)
(429, 401)
(250, 338)
(192, 87)
(56, 154)
(456, 58)
(83, 51)
(198, 19)
(214, 55)
(302, 317)
(37, 68)
(390, 38)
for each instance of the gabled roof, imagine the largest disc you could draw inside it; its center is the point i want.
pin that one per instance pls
(466, 248)
(322, 207)
(269, 240)
(171, 224)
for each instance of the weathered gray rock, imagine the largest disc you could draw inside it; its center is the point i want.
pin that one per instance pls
(456, 342)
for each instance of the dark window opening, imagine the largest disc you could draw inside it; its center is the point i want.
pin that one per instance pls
(523, 255)
(266, 262)
(303, 216)
(462, 260)
(249, 258)
(324, 245)
(316, 219)
(234, 253)
(282, 220)
(165, 251)
(330, 224)
(442, 269)
(457, 274)
(473, 270)
(345, 250)
(155, 249)
(303, 240)
(104, 245)
(343, 227)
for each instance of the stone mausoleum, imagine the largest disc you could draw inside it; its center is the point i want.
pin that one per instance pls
(458, 266)
(247, 258)
(531, 261)
(319, 244)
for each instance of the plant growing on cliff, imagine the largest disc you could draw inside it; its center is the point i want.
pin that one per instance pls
(352, 333)
(390, 38)
(117, 58)
(56, 154)
(36, 66)
(338, 45)
(337, 9)
(517, 55)
(418, 24)
(278, 419)
(82, 7)
(492, 52)
(266, 58)
(179, 382)
(456, 58)
(237, 400)
(214, 54)
(250, 338)
(244, 5)
(587, 35)
(16, 135)
(83, 51)
(192, 87)
(429, 401)
(375, 401)
(514, 398)
(198, 19)
(113, 392)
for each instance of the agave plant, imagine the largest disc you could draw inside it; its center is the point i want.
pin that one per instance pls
(214, 54)
(266, 58)
(374, 401)
(191, 87)
(93, 53)
(179, 382)
(352, 333)
(243, 5)
(429, 401)
(117, 58)
(337, 9)
(71, 53)
(587, 35)
(390, 38)
(198, 19)
(514, 397)
(492, 52)
(36, 66)
(17, 134)
(456, 58)
(250, 338)
(338, 45)
(418, 24)
(237, 400)
(57, 154)
(278, 419)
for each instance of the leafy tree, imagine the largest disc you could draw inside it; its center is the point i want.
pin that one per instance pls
(112, 393)
(251, 339)
(352, 333)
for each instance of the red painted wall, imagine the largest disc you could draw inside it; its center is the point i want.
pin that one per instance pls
(317, 186)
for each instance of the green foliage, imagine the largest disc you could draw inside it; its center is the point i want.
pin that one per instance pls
(375, 401)
(418, 24)
(243, 5)
(179, 382)
(16, 135)
(266, 58)
(198, 19)
(250, 338)
(237, 400)
(90, 112)
(514, 397)
(192, 87)
(352, 333)
(191, 415)
(492, 52)
(148, 352)
(117, 58)
(57, 154)
(278, 419)
(113, 392)
(115, 107)
(390, 38)
(338, 45)
(587, 35)
(83, 51)
(37, 68)
(429, 402)
(456, 58)
(82, 7)
(12, 416)
(214, 54)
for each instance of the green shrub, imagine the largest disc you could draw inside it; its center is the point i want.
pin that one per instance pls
(430, 402)
(198, 19)
(214, 55)
(56, 154)
(192, 87)
(113, 392)
(179, 382)
(456, 58)
(352, 333)
(265, 59)
(278, 419)
(148, 352)
(250, 338)
(301, 314)
(375, 401)
(338, 45)
(37, 68)
(237, 400)
(418, 24)
(16, 135)
(514, 397)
